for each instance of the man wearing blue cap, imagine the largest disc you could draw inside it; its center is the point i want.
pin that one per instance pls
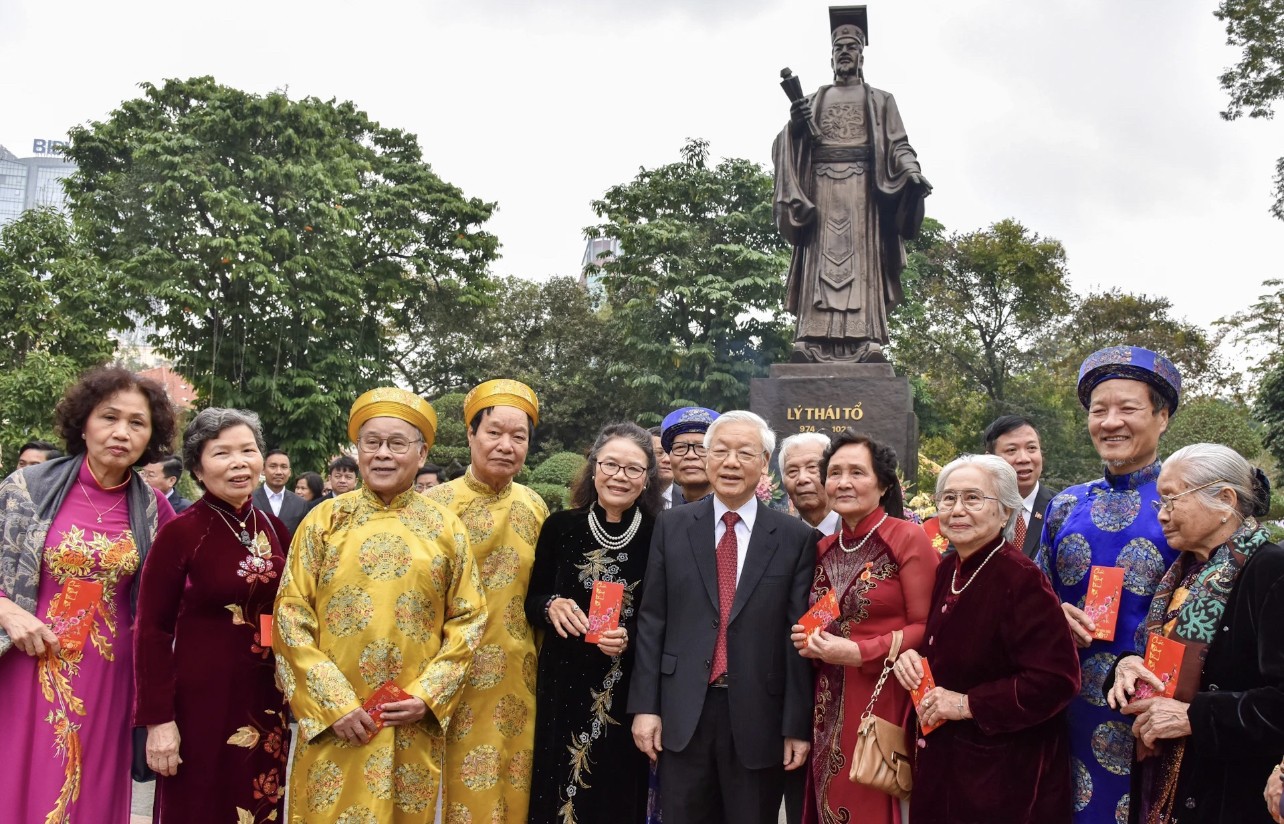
(1130, 394)
(682, 436)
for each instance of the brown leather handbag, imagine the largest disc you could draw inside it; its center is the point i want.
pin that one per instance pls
(881, 758)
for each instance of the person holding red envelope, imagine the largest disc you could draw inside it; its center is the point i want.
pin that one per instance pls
(217, 732)
(878, 569)
(1004, 663)
(587, 769)
(1206, 737)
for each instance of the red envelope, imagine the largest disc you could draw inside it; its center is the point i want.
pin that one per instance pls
(387, 693)
(72, 612)
(822, 613)
(1163, 658)
(604, 609)
(924, 686)
(265, 630)
(1105, 588)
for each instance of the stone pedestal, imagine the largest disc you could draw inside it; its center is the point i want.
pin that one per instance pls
(833, 397)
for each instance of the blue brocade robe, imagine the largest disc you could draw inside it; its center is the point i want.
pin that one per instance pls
(1108, 522)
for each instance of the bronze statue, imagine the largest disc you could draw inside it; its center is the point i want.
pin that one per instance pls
(849, 191)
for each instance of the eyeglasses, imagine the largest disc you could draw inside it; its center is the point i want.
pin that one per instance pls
(972, 500)
(681, 449)
(397, 445)
(632, 471)
(721, 453)
(1167, 502)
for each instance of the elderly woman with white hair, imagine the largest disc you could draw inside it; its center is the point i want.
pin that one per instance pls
(1003, 663)
(1202, 754)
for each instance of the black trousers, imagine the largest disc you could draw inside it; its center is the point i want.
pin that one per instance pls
(705, 783)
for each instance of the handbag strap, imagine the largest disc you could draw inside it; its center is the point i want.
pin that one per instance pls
(892, 654)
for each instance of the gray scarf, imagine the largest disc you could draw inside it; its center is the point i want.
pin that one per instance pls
(29, 500)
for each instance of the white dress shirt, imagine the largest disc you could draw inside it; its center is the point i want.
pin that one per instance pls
(744, 527)
(1027, 505)
(830, 524)
(275, 499)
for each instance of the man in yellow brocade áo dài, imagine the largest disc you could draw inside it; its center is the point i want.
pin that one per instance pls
(490, 742)
(380, 586)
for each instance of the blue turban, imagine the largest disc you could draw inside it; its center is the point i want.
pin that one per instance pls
(1130, 363)
(686, 419)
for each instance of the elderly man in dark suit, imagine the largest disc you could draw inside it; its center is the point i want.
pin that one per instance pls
(718, 695)
(1014, 439)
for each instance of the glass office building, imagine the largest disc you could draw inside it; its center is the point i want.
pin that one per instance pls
(28, 182)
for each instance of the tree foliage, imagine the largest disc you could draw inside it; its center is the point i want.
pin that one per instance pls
(1256, 82)
(61, 307)
(268, 241)
(696, 292)
(548, 335)
(1259, 330)
(1212, 420)
(1269, 409)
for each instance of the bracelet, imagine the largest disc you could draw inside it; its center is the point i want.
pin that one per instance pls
(549, 605)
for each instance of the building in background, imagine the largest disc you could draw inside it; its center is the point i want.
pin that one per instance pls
(29, 182)
(597, 252)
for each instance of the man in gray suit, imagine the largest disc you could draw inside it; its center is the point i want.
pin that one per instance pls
(273, 497)
(1014, 439)
(720, 698)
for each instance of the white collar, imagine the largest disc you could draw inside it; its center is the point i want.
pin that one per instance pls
(830, 524)
(747, 512)
(1029, 499)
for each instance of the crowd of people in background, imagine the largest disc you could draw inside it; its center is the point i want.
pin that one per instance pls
(389, 644)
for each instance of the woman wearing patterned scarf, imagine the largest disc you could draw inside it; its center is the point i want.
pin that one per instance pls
(1201, 754)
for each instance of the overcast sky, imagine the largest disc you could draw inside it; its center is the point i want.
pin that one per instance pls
(1094, 122)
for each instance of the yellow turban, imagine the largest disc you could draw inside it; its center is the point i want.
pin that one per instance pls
(391, 402)
(501, 392)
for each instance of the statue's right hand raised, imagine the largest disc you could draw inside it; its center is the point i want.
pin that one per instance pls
(800, 111)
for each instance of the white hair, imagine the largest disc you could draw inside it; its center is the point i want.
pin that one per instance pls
(1216, 467)
(765, 434)
(801, 439)
(1002, 475)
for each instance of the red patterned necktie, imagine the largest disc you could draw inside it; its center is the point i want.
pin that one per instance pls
(726, 592)
(1020, 530)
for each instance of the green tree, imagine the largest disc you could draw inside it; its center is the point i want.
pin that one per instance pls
(1256, 82)
(61, 307)
(548, 335)
(696, 292)
(980, 301)
(1259, 330)
(1116, 317)
(1212, 420)
(270, 241)
(1269, 409)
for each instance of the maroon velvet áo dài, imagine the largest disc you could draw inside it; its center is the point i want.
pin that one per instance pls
(1004, 643)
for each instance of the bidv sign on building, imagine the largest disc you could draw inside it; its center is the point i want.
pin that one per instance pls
(48, 146)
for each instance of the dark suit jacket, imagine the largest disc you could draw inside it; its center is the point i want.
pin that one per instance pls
(770, 692)
(178, 502)
(1034, 531)
(293, 508)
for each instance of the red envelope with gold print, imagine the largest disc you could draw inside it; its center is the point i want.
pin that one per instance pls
(72, 612)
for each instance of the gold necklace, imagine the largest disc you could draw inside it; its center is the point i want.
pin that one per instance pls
(101, 513)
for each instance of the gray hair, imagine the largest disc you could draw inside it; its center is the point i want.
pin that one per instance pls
(1221, 468)
(801, 439)
(208, 425)
(1004, 478)
(765, 434)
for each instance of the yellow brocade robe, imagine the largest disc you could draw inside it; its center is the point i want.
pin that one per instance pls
(372, 593)
(489, 746)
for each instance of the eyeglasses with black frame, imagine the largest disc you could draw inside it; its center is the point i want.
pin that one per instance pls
(972, 499)
(1167, 502)
(631, 471)
(680, 450)
(397, 444)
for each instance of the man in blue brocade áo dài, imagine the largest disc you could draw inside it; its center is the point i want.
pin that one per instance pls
(1130, 394)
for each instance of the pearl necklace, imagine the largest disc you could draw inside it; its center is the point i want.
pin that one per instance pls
(864, 540)
(954, 577)
(606, 541)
